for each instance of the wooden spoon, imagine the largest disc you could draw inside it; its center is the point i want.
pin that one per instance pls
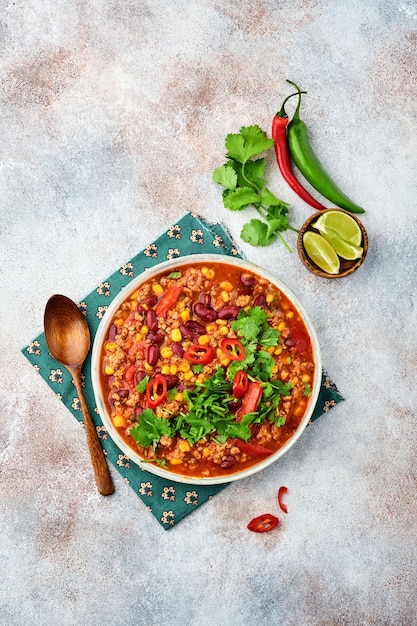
(68, 339)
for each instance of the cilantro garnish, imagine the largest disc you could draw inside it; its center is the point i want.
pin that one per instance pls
(141, 387)
(243, 180)
(150, 429)
(307, 390)
(175, 275)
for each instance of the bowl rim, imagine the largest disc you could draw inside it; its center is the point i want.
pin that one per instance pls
(100, 337)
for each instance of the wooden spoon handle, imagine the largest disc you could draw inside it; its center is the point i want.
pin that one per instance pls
(101, 471)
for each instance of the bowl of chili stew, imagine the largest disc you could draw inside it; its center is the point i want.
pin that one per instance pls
(205, 369)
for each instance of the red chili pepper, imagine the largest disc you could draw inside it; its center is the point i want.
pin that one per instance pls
(264, 523)
(300, 337)
(233, 349)
(156, 391)
(199, 354)
(168, 300)
(129, 374)
(279, 135)
(240, 384)
(250, 400)
(281, 493)
(252, 449)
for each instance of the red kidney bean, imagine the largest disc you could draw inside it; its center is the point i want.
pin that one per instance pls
(260, 300)
(172, 380)
(152, 354)
(195, 327)
(180, 387)
(140, 309)
(204, 298)
(151, 320)
(228, 462)
(138, 411)
(205, 313)
(139, 376)
(112, 332)
(290, 342)
(235, 405)
(187, 333)
(228, 312)
(154, 337)
(177, 349)
(123, 393)
(248, 280)
(110, 381)
(151, 300)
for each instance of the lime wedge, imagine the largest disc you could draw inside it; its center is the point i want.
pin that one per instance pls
(321, 252)
(341, 225)
(343, 248)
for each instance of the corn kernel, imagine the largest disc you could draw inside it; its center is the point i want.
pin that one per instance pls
(166, 352)
(175, 461)
(108, 370)
(210, 328)
(295, 380)
(223, 331)
(133, 305)
(210, 274)
(274, 369)
(119, 321)
(206, 452)
(111, 346)
(176, 335)
(225, 296)
(271, 350)
(184, 446)
(185, 315)
(204, 271)
(219, 353)
(139, 337)
(148, 367)
(278, 350)
(298, 410)
(224, 361)
(270, 298)
(144, 306)
(179, 397)
(135, 295)
(284, 374)
(157, 289)
(226, 285)
(290, 315)
(188, 375)
(118, 421)
(281, 326)
(184, 366)
(204, 340)
(305, 378)
(221, 322)
(173, 369)
(181, 305)
(165, 369)
(144, 330)
(200, 379)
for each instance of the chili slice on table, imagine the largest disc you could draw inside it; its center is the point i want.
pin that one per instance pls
(240, 384)
(156, 391)
(168, 300)
(250, 399)
(253, 449)
(281, 493)
(263, 523)
(233, 349)
(199, 354)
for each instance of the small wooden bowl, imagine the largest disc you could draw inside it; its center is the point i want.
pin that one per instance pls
(346, 267)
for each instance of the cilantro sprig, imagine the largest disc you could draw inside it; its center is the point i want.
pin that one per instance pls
(243, 179)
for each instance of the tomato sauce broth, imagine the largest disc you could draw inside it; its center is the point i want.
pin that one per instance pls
(207, 370)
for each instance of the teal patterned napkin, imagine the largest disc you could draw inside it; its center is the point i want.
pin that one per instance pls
(168, 501)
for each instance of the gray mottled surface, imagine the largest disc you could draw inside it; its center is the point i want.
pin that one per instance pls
(113, 116)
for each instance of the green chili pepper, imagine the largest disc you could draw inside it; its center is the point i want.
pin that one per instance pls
(309, 165)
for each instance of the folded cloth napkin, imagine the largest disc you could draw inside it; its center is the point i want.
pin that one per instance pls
(168, 501)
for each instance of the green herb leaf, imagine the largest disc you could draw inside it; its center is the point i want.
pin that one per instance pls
(226, 176)
(175, 275)
(141, 387)
(240, 198)
(150, 429)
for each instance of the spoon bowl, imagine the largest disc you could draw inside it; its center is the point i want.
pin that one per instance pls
(68, 339)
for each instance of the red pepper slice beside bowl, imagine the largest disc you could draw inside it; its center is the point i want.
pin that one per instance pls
(156, 391)
(263, 523)
(233, 349)
(168, 300)
(199, 354)
(240, 384)
(253, 449)
(281, 493)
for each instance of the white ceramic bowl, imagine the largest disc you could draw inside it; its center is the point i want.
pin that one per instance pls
(102, 334)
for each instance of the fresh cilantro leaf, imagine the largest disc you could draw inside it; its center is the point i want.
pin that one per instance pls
(269, 337)
(150, 429)
(257, 233)
(250, 141)
(141, 387)
(262, 367)
(269, 198)
(277, 420)
(240, 198)
(307, 390)
(197, 369)
(226, 176)
(175, 275)
(172, 393)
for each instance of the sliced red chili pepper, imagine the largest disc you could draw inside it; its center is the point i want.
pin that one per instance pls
(168, 300)
(281, 493)
(250, 399)
(199, 354)
(156, 391)
(129, 374)
(233, 349)
(300, 337)
(240, 384)
(263, 523)
(253, 449)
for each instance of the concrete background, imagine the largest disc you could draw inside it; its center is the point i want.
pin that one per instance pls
(113, 117)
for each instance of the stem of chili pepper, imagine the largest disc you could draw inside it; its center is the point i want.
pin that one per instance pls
(310, 166)
(279, 135)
